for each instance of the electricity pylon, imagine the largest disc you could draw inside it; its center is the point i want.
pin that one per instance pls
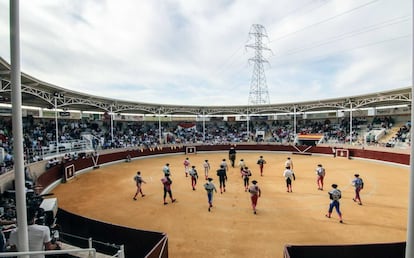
(258, 87)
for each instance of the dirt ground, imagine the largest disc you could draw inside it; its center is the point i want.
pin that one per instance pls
(231, 229)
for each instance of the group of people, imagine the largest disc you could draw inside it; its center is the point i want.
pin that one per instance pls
(253, 188)
(334, 194)
(209, 186)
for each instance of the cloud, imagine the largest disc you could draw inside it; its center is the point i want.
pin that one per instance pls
(194, 52)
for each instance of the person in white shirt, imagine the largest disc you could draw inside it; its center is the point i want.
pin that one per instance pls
(206, 166)
(289, 177)
(289, 163)
(39, 236)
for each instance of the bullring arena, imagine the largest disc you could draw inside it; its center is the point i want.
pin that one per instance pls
(96, 200)
(231, 229)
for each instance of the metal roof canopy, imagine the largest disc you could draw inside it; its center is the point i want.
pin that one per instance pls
(41, 94)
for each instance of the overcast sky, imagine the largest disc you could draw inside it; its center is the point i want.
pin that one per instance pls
(194, 52)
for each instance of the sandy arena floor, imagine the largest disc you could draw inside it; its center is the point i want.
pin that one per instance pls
(231, 229)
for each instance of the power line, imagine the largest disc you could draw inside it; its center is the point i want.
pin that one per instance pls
(324, 21)
(350, 34)
(233, 58)
(347, 49)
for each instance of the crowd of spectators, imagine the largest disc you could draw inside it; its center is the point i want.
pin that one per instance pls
(39, 133)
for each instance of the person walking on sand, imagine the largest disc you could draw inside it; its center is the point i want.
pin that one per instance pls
(166, 181)
(246, 174)
(222, 175)
(166, 169)
(334, 195)
(186, 164)
(261, 163)
(224, 164)
(255, 193)
(320, 175)
(358, 183)
(242, 165)
(289, 163)
(194, 176)
(206, 166)
(138, 181)
(210, 187)
(232, 156)
(289, 177)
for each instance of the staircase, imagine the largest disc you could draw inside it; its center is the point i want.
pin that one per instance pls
(391, 133)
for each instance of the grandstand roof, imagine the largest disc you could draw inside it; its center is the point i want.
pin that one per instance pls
(42, 94)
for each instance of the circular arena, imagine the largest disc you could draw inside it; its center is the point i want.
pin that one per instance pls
(231, 229)
(92, 178)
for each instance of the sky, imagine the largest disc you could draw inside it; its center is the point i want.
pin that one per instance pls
(203, 52)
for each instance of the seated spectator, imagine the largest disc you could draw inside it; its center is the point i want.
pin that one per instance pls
(50, 163)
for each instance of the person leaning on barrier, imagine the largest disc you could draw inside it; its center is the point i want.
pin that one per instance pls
(39, 236)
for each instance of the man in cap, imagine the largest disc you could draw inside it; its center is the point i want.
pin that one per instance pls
(210, 187)
(194, 176)
(232, 156)
(255, 193)
(166, 181)
(261, 163)
(186, 164)
(320, 175)
(138, 182)
(334, 196)
(222, 175)
(206, 166)
(289, 177)
(358, 183)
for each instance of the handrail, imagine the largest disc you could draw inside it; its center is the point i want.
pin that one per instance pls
(49, 252)
(163, 246)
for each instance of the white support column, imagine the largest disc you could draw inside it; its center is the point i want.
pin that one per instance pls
(294, 121)
(350, 123)
(248, 126)
(112, 126)
(204, 126)
(159, 126)
(56, 124)
(409, 251)
(17, 123)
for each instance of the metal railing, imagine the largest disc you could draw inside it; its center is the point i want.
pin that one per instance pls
(91, 251)
(92, 244)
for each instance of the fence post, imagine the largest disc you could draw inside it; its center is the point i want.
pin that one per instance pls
(90, 245)
(121, 252)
